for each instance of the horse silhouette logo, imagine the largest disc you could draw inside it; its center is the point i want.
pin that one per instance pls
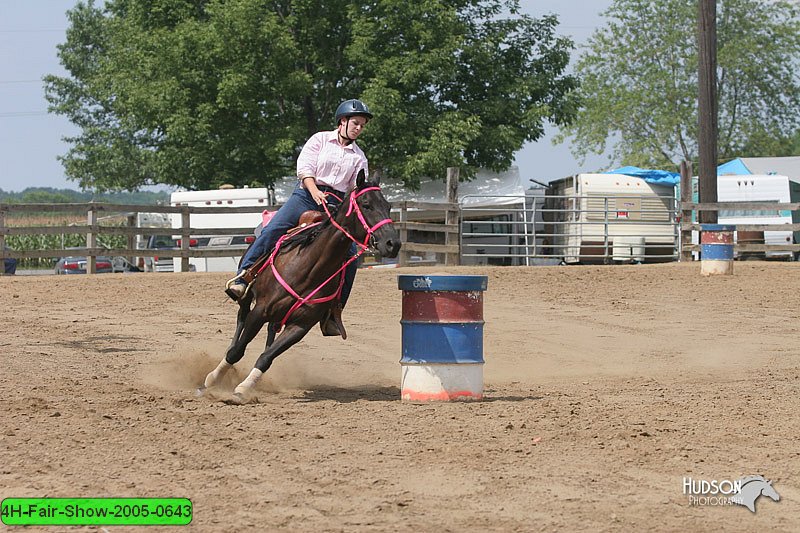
(752, 488)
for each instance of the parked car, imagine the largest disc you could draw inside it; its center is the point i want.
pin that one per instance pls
(77, 265)
(121, 264)
(103, 264)
(156, 263)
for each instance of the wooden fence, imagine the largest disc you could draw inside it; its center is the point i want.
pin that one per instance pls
(425, 228)
(687, 225)
(438, 221)
(97, 214)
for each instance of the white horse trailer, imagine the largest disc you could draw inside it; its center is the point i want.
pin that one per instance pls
(602, 218)
(760, 188)
(198, 221)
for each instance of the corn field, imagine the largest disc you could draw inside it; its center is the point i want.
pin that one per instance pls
(54, 242)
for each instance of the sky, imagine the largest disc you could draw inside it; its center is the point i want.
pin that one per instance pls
(31, 139)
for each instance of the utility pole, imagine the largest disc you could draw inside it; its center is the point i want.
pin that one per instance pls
(707, 107)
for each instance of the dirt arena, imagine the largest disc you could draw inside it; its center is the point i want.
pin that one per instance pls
(605, 387)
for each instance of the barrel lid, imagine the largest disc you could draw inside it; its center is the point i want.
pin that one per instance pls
(717, 227)
(441, 283)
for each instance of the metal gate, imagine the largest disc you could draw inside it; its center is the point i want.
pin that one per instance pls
(539, 229)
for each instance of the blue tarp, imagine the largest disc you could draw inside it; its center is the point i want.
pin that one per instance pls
(735, 166)
(661, 177)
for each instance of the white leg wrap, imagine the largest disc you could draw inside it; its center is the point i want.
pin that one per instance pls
(217, 373)
(250, 381)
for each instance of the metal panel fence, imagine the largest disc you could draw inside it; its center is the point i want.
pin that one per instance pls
(549, 229)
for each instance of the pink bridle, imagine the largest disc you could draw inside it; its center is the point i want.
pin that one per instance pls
(354, 206)
(362, 247)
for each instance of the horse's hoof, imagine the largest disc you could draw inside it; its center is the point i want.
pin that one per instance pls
(237, 398)
(199, 392)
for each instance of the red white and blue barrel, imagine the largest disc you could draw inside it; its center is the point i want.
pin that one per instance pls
(442, 326)
(716, 249)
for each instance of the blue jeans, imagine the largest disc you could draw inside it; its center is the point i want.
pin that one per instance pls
(285, 219)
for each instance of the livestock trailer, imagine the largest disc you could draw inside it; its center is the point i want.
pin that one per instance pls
(604, 218)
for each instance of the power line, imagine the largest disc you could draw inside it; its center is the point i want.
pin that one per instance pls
(7, 82)
(13, 114)
(33, 31)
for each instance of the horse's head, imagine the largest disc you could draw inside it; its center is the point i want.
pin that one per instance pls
(769, 491)
(367, 212)
(752, 487)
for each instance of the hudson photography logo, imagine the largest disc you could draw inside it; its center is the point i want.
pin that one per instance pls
(744, 491)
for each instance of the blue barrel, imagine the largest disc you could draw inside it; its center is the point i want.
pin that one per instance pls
(442, 337)
(716, 249)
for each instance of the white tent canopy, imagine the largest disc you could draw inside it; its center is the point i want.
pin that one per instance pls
(485, 190)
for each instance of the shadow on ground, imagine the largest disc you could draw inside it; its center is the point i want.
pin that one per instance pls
(369, 393)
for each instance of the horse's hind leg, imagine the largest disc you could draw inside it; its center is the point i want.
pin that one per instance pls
(290, 336)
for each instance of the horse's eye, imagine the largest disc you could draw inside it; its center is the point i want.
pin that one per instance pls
(366, 205)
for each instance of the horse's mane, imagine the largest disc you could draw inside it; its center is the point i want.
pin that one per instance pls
(748, 479)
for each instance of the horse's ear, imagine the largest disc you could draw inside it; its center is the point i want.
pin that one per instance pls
(360, 179)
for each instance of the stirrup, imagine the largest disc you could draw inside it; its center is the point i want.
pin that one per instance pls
(232, 295)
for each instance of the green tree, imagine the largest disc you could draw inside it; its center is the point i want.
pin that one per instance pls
(196, 93)
(639, 82)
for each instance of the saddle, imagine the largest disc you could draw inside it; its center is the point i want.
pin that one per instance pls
(306, 219)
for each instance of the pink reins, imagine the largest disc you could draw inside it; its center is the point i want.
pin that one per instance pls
(362, 247)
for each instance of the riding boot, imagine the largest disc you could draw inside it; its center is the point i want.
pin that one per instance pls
(236, 291)
(331, 325)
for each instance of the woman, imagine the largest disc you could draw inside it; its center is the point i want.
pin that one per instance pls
(328, 163)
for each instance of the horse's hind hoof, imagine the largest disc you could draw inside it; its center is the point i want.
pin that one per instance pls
(199, 392)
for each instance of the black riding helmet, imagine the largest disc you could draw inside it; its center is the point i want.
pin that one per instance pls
(351, 108)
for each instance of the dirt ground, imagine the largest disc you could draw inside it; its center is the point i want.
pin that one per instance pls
(605, 387)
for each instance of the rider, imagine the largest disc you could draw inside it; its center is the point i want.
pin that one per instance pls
(328, 163)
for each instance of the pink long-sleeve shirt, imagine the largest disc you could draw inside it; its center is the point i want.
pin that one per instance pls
(330, 163)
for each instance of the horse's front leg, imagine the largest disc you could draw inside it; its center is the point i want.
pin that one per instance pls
(272, 330)
(290, 336)
(241, 316)
(246, 330)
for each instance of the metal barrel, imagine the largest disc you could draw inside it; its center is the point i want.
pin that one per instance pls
(750, 237)
(716, 249)
(442, 337)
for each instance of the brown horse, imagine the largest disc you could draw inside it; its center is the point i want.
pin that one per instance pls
(302, 284)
